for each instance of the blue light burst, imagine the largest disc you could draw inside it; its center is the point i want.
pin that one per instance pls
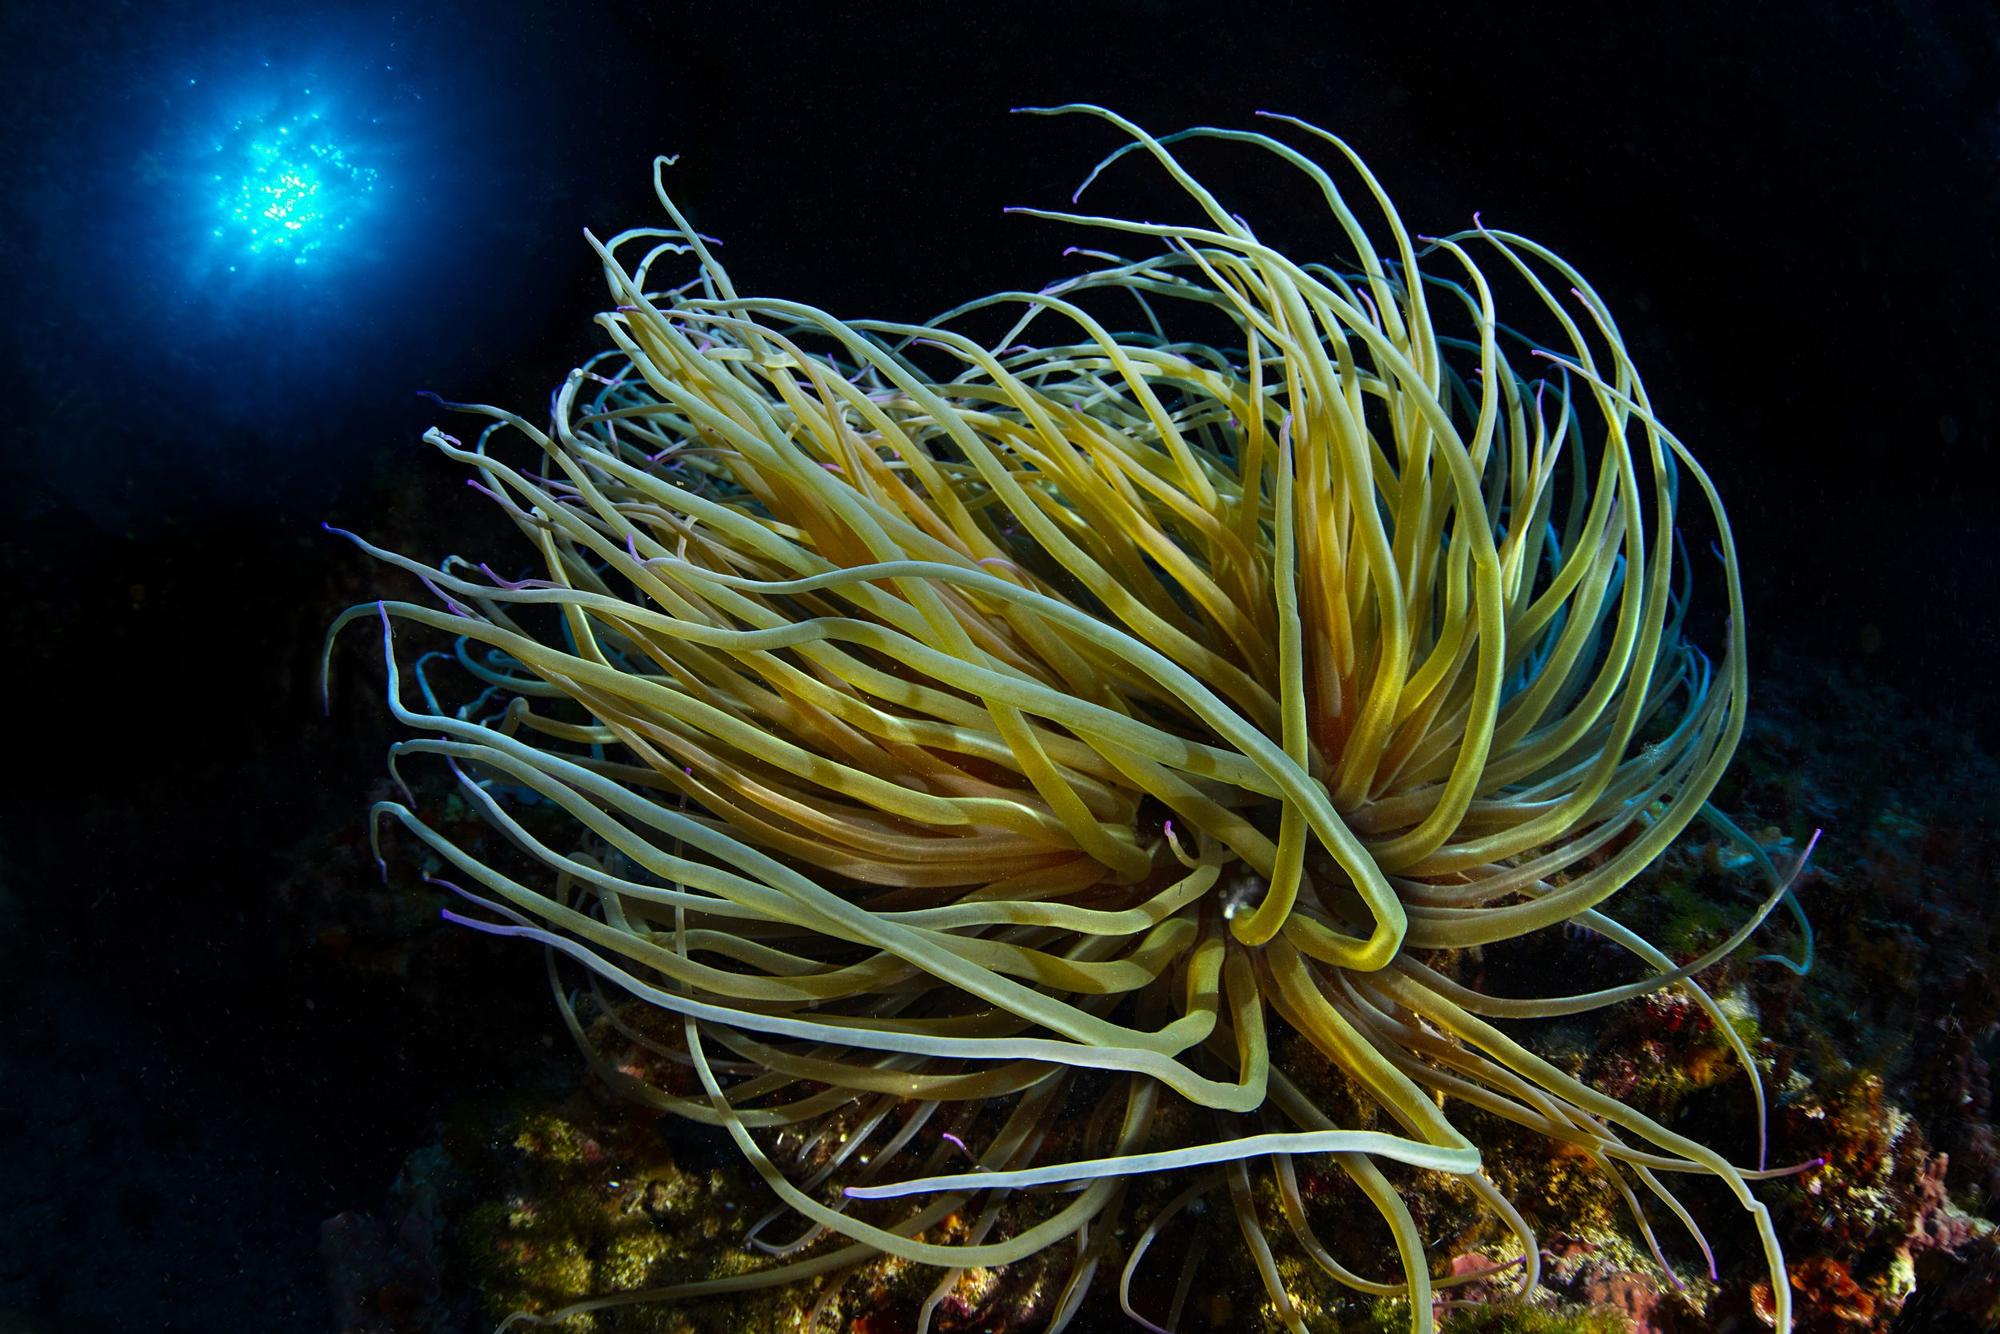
(274, 220)
(291, 179)
(287, 190)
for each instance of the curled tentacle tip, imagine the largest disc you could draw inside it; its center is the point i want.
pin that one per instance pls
(439, 882)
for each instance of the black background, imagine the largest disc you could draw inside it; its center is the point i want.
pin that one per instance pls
(1792, 212)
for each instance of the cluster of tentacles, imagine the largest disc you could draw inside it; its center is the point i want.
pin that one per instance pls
(1019, 764)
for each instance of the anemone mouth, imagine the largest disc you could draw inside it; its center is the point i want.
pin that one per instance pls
(1009, 767)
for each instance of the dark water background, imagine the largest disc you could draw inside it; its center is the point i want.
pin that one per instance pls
(1793, 217)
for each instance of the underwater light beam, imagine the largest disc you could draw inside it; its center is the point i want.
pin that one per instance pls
(285, 188)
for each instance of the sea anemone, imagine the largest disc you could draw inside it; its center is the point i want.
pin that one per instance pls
(1012, 758)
